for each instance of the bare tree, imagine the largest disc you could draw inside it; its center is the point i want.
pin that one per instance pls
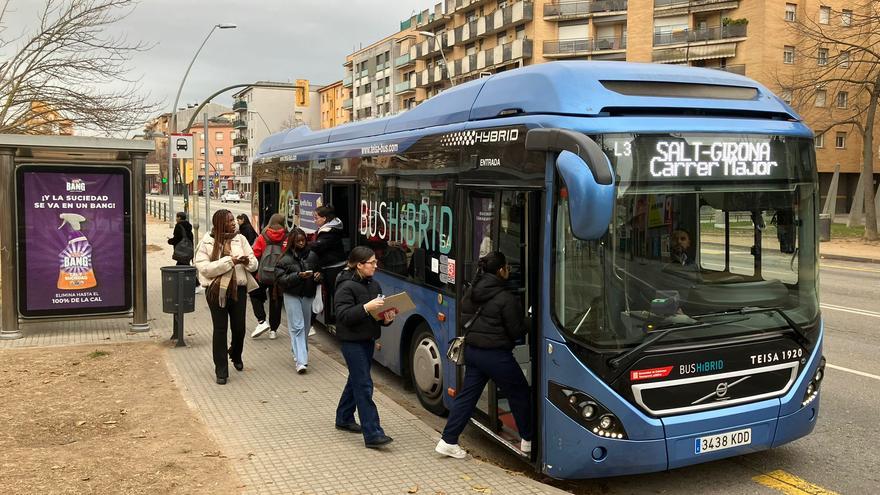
(835, 80)
(65, 69)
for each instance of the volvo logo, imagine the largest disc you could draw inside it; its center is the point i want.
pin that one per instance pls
(721, 390)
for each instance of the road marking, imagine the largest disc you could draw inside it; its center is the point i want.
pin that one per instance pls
(856, 311)
(855, 372)
(852, 268)
(790, 484)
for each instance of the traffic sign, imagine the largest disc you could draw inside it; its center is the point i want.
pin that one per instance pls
(181, 145)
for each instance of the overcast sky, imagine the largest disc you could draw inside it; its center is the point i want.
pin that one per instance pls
(277, 40)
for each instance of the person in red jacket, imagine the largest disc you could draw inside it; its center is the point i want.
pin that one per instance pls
(275, 234)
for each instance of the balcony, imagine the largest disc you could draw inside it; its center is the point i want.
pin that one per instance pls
(239, 124)
(493, 57)
(404, 60)
(431, 76)
(666, 8)
(403, 87)
(685, 36)
(563, 11)
(346, 81)
(347, 103)
(582, 47)
(456, 5)
(239, 158)
(733, 69)
(239, 106)
(431, 46)
(239, 141)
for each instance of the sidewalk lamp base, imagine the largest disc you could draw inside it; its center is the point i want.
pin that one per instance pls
(140, 327)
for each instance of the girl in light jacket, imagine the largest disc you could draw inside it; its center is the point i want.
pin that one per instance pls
(225, 261)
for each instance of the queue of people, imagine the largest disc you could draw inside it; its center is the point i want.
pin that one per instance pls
(226, 261)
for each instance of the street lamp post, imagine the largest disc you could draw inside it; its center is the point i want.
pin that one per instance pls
(442, 55)
(173, 122)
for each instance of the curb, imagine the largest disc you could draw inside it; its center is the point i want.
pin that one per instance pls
(854, 259)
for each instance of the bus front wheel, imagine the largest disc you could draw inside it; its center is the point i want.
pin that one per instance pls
(426, 370)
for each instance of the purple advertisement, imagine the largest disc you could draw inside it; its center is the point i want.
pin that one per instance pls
(74, 238)
(308, 203)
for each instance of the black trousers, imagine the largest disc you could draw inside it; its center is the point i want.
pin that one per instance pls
(258, 300)
(328, 280)
(224, 319)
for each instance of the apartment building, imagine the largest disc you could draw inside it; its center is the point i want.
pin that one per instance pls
(461, 40)
(218, 152)
(332, 97)
(264, 109)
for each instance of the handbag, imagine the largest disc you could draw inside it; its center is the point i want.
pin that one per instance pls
(318, 302)
(455, 351)
(183, 250)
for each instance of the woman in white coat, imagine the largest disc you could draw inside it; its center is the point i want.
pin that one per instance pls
(225, 261)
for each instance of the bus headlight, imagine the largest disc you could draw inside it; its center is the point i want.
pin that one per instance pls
(586, 411)
(813, 387)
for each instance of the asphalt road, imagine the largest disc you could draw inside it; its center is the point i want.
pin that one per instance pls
(841, 454)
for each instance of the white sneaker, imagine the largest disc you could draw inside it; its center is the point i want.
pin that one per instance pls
(302, 368)
(525, 446)
(260, 330)
(273, 335)
(312, 331)
(450, 449)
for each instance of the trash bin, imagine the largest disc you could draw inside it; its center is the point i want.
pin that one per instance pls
(824, 227)
(179, 289)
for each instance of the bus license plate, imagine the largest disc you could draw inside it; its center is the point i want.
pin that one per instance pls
(722, 441)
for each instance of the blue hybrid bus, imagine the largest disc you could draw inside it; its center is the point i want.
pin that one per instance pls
(660, 222)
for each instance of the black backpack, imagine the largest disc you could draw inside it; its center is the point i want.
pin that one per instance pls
(268, 261)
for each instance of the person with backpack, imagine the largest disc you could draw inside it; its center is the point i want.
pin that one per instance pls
(331, 254)
(295, 276)
(183, 249)
(268, 249)
(494, 322)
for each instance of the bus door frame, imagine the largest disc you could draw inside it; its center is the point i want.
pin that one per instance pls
(266, 210)
(488, 421)
(351, 215)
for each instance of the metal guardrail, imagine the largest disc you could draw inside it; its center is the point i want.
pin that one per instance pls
(157, 209)
(585, 45)
(708, 34)
(574, 9)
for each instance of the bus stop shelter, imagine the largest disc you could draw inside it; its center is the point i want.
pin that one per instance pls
(73, 234)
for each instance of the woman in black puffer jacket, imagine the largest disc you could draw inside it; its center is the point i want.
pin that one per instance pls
(295, 275)
(496, 323)
(356, 295)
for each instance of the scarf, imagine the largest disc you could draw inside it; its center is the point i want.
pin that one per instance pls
(225, 286)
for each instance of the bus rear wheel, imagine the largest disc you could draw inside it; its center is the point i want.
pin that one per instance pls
(426, 370)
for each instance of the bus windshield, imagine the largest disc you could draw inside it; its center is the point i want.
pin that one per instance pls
(703, 226)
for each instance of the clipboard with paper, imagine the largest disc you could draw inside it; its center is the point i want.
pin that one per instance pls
(397, 303)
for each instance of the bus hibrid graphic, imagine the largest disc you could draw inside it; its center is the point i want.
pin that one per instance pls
(417, 225)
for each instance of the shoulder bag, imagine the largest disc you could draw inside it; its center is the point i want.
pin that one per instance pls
(455, 351)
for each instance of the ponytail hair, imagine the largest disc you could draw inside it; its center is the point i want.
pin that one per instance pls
(492, 262)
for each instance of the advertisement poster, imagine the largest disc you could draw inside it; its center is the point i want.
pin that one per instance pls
(75, 239)
(308, 203)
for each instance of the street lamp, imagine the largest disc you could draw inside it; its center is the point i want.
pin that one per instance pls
(173, 122)
(442, 55)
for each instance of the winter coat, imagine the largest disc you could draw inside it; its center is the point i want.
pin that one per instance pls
(288, 269)
(500, 322)
(328, 244)
(276, 236)
(181, 230)
(247, 230)
(209, 270)
(353, 323)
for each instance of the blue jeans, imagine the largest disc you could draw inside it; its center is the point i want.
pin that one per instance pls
(481, 366)
(299, 320)
(358, 392)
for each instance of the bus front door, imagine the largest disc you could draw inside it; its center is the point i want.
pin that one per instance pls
(506, 221)
(343, 197)
(268, 201)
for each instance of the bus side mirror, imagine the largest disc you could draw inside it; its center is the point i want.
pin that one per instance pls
(587, 175)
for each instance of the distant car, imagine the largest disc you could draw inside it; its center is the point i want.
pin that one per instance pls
(154, 190)
(228, 196)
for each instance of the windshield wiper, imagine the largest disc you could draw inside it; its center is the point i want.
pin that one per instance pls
(799, 331)
(630, 355)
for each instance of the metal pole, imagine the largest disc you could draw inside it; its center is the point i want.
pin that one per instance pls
(139, 322)
(9, 321)
(205, 188)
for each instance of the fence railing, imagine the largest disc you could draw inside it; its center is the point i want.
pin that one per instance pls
(157, 209)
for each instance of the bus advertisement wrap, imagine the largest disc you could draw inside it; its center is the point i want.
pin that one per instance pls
(74, 228)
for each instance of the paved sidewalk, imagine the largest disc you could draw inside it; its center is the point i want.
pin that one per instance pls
(277, 426)
(850, 250)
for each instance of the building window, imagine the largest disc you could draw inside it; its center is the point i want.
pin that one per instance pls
(842, 99)
(846, 17)
(824, 15)
(822, 58)
(520, 32)
(219, 166)
(218, 151)
(786, 96)
(201, 151)
(840, 141)
(218, 136)
(788, 54)
(790, 12)
(500, 39)
(820, 140)
(820, 97)
(844, 59)
(232, 135)
(470, 16)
